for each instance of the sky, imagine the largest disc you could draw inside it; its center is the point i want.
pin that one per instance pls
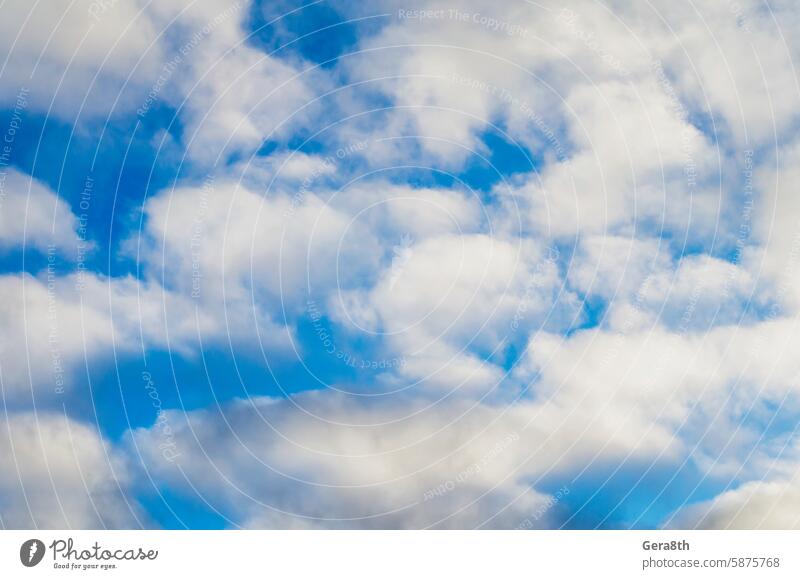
(346, 265)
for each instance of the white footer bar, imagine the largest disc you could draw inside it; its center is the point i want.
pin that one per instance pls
(401, 554)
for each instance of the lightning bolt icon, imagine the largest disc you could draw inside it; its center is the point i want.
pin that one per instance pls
(34, 548)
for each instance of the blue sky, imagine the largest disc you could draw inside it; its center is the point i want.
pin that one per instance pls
(280, 266)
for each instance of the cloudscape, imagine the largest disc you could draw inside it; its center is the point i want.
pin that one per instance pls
(399, 265)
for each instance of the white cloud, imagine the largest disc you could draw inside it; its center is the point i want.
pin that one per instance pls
(78, 52)
(53, 323)
(58, 474)
(643, 284)
(635, 117)
(56, 324)
(636, 160)
(96, 59)
(224, 238)
(32, 215)
(755, 505)
(322, 460)
(774, 250)
(641, 387)
(453, 299)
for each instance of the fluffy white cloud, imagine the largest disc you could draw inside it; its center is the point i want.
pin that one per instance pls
(329, 460)
(56, 473)
(636, 120)
(642, 284)
(301, 244)
(53, 323)
(95, 59)
(76, 58)
(32, 215)
(755, 505)
(323, 460)
(449, 305)
(644, 386)
(734, 61)
(774, 249)
(637, 159)
(230, 96)
(225, 239)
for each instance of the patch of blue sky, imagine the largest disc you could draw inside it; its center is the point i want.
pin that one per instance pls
(594, 310)
(765, 424)
(498, 163)
(678, 241)
(30, 260)
(172, 510)
(103, 181)
(329, 355)
(681, 490)
(495, 163)
(774, 419)
(706, 123)
(315, 30)
(122, 399)
(634, 495)
(132, 395)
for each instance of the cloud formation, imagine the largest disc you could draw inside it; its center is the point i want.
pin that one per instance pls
(472, 260)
